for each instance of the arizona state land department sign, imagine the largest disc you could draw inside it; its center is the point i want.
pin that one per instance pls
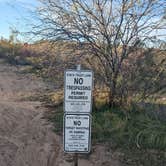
(78, 91)
(77, 130)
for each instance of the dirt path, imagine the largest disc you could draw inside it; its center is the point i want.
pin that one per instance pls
(25, 138)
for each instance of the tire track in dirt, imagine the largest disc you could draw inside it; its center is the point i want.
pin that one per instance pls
(25, 138)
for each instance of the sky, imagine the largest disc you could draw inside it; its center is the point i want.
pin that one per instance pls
(14, 14)
(17, 13)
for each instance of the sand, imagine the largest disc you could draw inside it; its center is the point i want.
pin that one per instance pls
(26, 138)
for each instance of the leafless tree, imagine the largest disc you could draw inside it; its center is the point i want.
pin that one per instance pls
(112, 29)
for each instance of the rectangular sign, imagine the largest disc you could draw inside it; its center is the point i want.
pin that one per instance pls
(77, 133)
(78, 91)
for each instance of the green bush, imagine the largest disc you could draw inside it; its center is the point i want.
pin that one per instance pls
(146, 131)
(107, 126)
(138, 129)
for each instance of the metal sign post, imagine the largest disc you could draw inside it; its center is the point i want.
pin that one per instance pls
(76, 154)
(77, 108)
(75, 158)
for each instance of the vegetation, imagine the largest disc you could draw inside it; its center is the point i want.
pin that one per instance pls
(134, 129)
(139, 135)
(142, 126)
(11, 51)
(137, 129)
(113, 32)
(129, 98)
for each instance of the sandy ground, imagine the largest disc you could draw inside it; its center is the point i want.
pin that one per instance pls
(26, 139)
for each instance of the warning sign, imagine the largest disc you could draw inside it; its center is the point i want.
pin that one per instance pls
(77, 129)
(78, 91)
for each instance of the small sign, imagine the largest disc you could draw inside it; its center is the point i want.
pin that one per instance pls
(78, 91)
(77, 133)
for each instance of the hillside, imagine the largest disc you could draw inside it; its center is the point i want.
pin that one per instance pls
(31, 82)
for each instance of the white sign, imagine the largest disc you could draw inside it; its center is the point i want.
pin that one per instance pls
(77, 133)
(78, 91)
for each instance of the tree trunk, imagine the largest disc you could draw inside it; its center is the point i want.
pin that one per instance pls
(112, 93)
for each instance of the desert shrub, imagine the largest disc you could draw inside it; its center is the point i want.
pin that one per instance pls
(137, 129)
(146, 131)
(11, 52)
(107, 126)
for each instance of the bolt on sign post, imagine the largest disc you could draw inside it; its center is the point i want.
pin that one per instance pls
(78, 85)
